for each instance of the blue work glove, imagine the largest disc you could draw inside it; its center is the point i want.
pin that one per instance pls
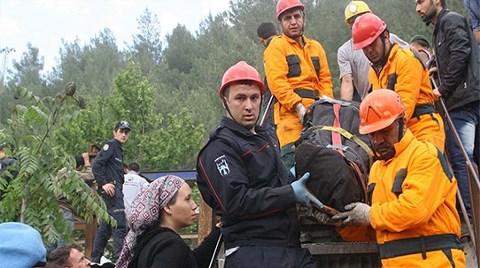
(292, 171)
(356, 214)
(302, 195)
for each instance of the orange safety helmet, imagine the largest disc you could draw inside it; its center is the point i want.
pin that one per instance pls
(379, 110)
(355, 8)
(366, 29)
(284, 5)
(238, 72)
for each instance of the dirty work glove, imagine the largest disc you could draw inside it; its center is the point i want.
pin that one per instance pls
(300, 111)
(302, 195)
(356, 214)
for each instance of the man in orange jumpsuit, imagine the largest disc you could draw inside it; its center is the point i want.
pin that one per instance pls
(297, 73)
(399, 70)
(413, 212)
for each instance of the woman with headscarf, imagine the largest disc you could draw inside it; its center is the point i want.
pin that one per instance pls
(155, 217)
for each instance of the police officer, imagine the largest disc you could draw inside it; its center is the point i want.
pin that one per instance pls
(108, 172)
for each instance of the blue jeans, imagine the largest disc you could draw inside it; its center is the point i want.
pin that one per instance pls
(466, 123)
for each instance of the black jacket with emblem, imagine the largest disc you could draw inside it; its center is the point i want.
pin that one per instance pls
(241, 176)
(108, 168)
(458, 61)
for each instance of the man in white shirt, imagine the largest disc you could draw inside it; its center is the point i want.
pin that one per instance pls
(133, 184)
(353, 64)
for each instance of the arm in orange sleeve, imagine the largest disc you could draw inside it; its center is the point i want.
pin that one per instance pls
(424, 189)
(409, 80)
(326, 85)
(276, 69)
(357, 233)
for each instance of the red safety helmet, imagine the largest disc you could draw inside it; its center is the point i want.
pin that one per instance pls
(238, 72)
(379, 110)
(284, 5)
(366, 29)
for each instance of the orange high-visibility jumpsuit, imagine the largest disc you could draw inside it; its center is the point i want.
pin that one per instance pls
(413, 203)
(295, 74)
(405, 74)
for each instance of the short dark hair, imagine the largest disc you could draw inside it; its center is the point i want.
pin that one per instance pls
(79, 161)
(61, 255)
(266, 30)
(134, 166)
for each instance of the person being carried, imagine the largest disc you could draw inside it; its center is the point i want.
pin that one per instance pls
(399, 70)
(297, 73)
(155, 218)
(243, 179)
(412, 215)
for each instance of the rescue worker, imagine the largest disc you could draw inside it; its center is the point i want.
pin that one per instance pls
(413, 212)
(108, 173)
(399, 70)
(242, 178)
(297, 73)
(352, 64)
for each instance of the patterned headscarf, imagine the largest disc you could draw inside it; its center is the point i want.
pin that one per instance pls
(145, 211)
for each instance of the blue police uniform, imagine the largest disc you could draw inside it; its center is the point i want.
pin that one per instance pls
(241, 176)
(108, 168)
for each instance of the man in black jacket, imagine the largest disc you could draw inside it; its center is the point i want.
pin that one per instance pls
(458, 62)
(108, 173)
(241, 176)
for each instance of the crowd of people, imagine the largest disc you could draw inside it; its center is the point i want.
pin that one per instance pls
(245, 172)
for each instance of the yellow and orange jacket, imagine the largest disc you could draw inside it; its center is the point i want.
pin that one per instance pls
(414, 195)
(289, 66)
(405, 74)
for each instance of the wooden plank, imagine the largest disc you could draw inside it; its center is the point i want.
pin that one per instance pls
(205, 221)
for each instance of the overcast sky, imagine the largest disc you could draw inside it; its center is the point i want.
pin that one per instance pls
(44, 23)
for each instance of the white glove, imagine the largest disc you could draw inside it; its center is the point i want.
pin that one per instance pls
(300, 111)
(356, 214)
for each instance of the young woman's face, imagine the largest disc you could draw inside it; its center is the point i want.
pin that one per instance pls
(183, 210)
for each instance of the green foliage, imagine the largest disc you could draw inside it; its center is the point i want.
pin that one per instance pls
(147, 45)
(173, 145)
(168, 92)
(31, 197)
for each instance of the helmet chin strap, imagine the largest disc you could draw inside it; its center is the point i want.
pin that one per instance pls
(379, 65)
(225, 105)
(401, 126)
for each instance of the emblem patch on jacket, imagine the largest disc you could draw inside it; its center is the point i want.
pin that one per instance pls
(222, 165)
